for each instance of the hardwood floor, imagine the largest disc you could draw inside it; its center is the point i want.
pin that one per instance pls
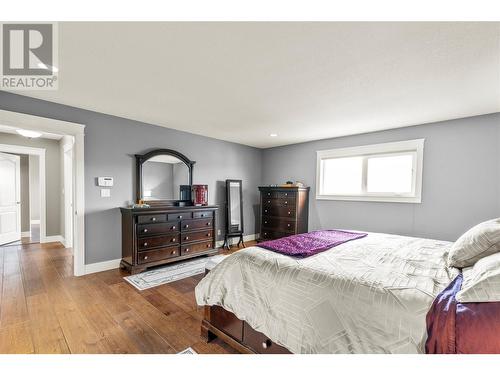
(44, 309)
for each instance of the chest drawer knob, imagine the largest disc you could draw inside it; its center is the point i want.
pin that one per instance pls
(145, 244)
(153, 219)
(173, 252)
(286, 194)
(146, 257)
(145, 230)
(186, 251)
(209, 245)
(286, 202)
(179, 217)
(266, 344)
(209, 234)
(173, 240)
(209, 223)
(268, 194)
(289, 225)
(173, 227)
(186, 226)
(186, 238)
(265, 222)
(265, 211)
(289, 213)
(268, 201)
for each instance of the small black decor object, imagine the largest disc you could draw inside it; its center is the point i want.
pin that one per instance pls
(234, 212)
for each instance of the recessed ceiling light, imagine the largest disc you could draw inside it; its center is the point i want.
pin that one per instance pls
(273, 135)
(28, 133)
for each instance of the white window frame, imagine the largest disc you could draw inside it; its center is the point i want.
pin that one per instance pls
(415, 146)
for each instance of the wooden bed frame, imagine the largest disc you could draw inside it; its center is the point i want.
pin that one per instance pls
(237, 333)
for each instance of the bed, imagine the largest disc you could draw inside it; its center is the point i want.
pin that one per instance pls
(371, 295)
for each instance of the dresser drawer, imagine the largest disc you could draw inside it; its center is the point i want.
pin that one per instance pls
(158, 241)
(149, 229)
(280, 224)
(161, 218)
(196, 247)
(202, 214)
(179, 216)
(281, 211)
(197, 236)
(272, 235)
(286, 194)
(227, 322)
(284, 202)
(194, 224)
(158, 254)
(260, 343)
(269, 194)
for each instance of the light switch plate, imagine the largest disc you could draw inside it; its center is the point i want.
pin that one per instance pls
(105, 193)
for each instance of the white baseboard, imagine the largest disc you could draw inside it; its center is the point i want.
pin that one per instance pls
(102, 266)
(26, 234)
(35, 221)
(57, 238)
(234, 240)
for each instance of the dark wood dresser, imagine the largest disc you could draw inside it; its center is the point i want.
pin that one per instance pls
(159, 235)
(283, 211)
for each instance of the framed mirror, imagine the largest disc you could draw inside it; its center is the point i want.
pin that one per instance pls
(164, 178)
(234, 212)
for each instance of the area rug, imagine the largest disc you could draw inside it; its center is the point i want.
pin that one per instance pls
(189, 350)
(171, 273)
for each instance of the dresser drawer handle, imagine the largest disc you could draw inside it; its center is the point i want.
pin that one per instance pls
(153, 219)
(187, 250)
(202, 215)
(146, 257)
(268, 194)
(145, 244)
(186, 226)
(173, 228)
(268, 201)
(186, 238)
(286, 194)
(265, 234)
(289, 213)
(209, 234)
(286, 202)
(209, 245)
(145, 231)
(265, 211)
(289, 225)
(209, 223)
(174, 252)
(179, 217)
(173, 240)
(266, 344)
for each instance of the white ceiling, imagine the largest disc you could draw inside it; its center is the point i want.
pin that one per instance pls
(304, 81)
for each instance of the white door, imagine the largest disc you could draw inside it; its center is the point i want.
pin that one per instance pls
(68, 197)
(10, 195)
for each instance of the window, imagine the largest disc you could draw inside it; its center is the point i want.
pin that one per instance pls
(387, 172)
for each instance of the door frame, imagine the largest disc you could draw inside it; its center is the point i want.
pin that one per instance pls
(40, 152)
(17, 162)
(37, 123)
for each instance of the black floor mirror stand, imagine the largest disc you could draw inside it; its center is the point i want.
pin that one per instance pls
(234, 213)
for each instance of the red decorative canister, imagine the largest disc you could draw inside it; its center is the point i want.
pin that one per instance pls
(199, 195)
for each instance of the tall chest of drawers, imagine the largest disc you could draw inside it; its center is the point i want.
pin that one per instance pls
(155, 236)
(283, 211)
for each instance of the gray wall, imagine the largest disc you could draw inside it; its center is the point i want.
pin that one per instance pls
(25, 193)
(111, 142)
(461, 180)
(53, 175)
(35, 190)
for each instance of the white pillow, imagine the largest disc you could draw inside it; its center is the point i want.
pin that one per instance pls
(481, 283)
(478, 242)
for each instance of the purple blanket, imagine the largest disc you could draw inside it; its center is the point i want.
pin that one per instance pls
(460, 328)
(307, 244)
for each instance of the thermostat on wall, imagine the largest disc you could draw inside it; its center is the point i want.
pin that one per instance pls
(104, 181)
